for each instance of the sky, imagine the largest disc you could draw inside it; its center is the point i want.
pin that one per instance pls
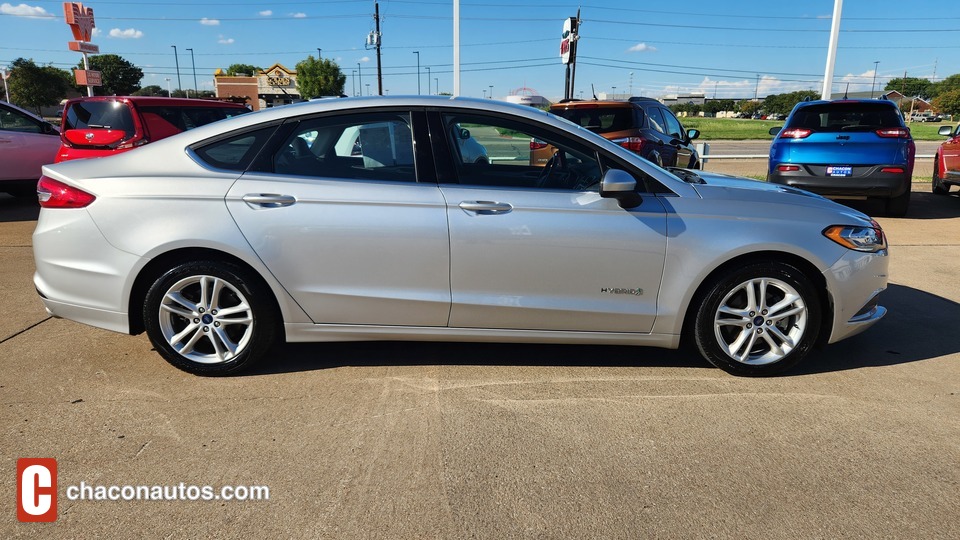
(728, 49)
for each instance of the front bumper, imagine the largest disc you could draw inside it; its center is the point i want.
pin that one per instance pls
(854, 282)
(865, 182)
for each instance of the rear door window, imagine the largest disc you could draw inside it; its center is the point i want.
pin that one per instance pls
(600, 119)
(674, 129)
(656, 119)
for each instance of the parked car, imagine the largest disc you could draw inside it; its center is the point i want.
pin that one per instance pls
(223, 239)
(641, 125)
(846, 149)
(27, 142)
(103, 125)
(946, 162)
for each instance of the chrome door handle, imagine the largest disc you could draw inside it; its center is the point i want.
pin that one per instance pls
(486, 208)
(269, 200)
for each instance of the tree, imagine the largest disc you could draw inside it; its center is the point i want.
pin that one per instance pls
(750, 107)
(947, 85)
(243, 69)
(947, 102)
(910, 86)
(784, 103)
(152, 90)
(33, 86)
(317, 78)
(119, 77)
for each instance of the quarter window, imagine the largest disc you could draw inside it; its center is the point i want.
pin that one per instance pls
(359, 147)
(237, 152)
(674, 129)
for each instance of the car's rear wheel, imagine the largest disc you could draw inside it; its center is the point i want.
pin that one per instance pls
(210, 318)
(938, 186)
(897, 206)
(759, 319)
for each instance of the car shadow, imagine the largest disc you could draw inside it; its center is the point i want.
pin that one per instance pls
(923, 205)
(918, 326)
(18, 208)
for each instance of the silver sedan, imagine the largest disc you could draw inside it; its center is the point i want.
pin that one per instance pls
(220, 241)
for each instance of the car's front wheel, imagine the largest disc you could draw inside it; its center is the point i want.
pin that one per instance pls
(758, 319)
(210, 318)
(938, 186)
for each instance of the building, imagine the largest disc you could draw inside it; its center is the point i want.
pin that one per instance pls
(270, 87)
(527, 96)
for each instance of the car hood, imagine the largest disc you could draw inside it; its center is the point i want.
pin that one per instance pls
(745, 190)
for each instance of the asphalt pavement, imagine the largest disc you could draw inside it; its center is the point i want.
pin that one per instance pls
(458, 440)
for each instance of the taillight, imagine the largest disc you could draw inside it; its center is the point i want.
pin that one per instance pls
(537, 144)
(54, 194)
(894, 170)
(788, 168)
(893, 133)
(633, 144)
(795, 133)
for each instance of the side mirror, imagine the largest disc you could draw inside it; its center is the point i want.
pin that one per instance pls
(693, 134)
(622, 186)
(50, 129)
(775, 131)
(464, 133)
(946, 131)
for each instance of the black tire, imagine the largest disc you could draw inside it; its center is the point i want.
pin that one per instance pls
(938, 186)
(204, 336)
(716, 333)
(897, 206)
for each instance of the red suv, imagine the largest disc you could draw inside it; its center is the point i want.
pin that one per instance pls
(105, 125)
(946, 164)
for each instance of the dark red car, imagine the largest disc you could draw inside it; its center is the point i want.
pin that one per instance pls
(946, 164)
(105, 125)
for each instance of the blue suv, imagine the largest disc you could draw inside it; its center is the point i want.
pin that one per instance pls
(846, 149)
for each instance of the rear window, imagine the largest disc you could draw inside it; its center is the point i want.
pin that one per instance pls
(835, 117)
(186, 118)
(100, 114)
(602, 120)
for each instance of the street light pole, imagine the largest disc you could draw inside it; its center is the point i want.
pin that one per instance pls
(319, 53)
(168, 86)
(353, 74)
(436, 81)
(176, 60)
(491, 91)
(874, 84)
(428, 80)
(360, 77)
(196, 89)
(418, 71)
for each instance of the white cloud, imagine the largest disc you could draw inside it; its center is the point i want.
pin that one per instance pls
(209, 22)
(129, 33)
(300, 15)
(225, 41)
(365, 59)
(266, 13)
(23, 10)
(96, 33)
(742, 88)
(642, 47)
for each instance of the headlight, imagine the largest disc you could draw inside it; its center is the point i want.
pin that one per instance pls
(868, 239)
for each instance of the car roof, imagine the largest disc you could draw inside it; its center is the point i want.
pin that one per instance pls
(882, 101)
(592, 104)
(162, 101)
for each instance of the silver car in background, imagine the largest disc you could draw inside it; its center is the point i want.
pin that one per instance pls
(275, 225)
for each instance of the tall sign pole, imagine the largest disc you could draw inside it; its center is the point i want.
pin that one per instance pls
(376, 16)
(568, 53)
(832, 50)
(81, 23)
(456, 49)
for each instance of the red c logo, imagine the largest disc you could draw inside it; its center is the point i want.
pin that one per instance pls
(37, 489)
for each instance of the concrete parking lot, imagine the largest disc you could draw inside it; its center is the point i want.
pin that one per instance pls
(425, 440)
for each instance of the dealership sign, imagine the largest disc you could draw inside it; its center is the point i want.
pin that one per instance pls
(567, 39)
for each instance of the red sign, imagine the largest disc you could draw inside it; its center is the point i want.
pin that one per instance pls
(87, 77)
(37, 489)
(80, 20)
(84, 47)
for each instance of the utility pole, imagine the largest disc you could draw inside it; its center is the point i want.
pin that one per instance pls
(491, 91)
(756, 93)
(360, 77)
(319, 53)
(456, 49)
(176, 60)
(353, 74)
(874, 83)
(196, 89)
(428, 80)
(376, 17)
(418, 71)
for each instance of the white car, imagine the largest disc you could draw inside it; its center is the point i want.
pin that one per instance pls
(27, 142)
(224, 239)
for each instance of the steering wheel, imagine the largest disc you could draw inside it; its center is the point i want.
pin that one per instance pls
(555, 166)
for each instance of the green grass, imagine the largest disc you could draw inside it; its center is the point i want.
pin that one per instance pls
(714, 129)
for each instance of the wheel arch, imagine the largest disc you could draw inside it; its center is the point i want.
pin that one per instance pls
(809, 270)
(167, 260)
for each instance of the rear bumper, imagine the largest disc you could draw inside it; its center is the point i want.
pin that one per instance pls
(866, 181)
